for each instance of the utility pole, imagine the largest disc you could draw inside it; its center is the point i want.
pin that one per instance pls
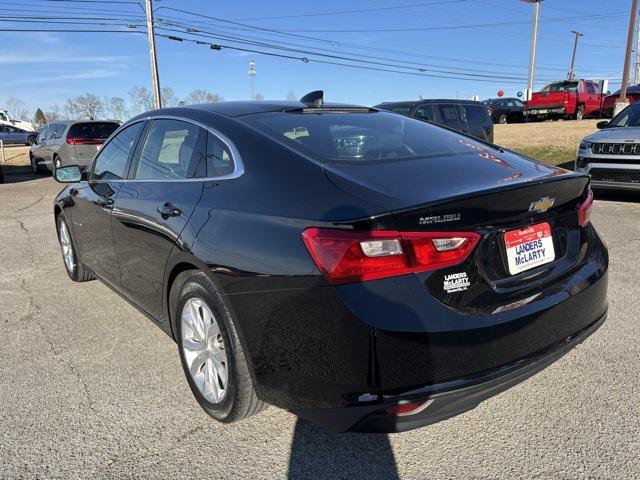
(155, 78)
(636, 73)
(252, 75)
(534, 46)
(572, 72)
(622, 101)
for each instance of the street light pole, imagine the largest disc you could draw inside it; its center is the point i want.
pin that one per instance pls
(534, 46)
(252, 75)
(572, 72)
(622, 101)
(155, 78)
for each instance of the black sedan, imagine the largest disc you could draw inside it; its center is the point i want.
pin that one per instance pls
(505, 110)
(362, 269)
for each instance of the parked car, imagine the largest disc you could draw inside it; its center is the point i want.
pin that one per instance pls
(69, 143)
(376, 288)
(465, 116)
(574, 99)
(5, 119)
(633, 95)
(612, 155)
(505, 110)
(16, 136)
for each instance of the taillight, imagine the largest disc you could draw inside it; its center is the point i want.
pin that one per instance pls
(345, 256)
(84, 141)
(405, 408)
(584, 211)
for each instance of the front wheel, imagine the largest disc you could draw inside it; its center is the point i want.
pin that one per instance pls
(35, 166)
(212, 356)
(76, 270)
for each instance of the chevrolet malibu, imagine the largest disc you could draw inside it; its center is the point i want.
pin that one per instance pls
(364, 270)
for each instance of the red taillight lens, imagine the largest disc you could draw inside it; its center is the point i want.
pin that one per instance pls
(584, 211)
(84, 141)
(406, 408)
(345, 256)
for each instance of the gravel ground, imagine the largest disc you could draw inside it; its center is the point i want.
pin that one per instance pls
(89, 388)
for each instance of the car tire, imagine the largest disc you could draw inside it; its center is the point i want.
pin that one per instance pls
(211, 354)
(580, 112)
(75, 269)
(35, 166)
(503, 120)
(31, 140)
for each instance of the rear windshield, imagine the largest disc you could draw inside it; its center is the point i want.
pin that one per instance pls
(475, 113)
(93, 130)
(359, 136)
(561, 87)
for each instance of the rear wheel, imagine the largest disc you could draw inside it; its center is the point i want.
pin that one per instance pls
(212, 356)
(76, 270)
(503, 119)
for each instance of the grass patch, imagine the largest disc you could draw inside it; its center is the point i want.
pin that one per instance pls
(562, 157)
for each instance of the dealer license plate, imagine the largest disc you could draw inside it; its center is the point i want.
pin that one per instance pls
(529, 247)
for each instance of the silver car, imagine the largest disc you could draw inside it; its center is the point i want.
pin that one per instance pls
(612, 156)
(69, 143)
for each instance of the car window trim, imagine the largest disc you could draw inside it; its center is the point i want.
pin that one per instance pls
(238, 165)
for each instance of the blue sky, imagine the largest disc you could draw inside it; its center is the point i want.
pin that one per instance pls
(46, 68)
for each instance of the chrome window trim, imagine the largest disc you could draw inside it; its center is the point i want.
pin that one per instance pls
(238, 165)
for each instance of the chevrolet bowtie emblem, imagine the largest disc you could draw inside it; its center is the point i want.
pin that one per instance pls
(542, 205)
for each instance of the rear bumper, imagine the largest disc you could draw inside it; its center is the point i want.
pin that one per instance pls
(447, 399)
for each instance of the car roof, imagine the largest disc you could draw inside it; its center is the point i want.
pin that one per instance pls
(238, 108)
(430, 100)
(72, 122)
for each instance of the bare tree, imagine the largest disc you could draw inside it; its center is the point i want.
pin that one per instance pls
(291, 96)
(84, 106)
(54, 113)
(259, 96)
(169, 98)
(203, 96)
(140, 100)
(16, 108)
(116, 107)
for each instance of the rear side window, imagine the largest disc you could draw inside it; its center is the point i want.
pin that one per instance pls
(219, 159)
(173, 150)
(425, 112)
(358, 136)
(43, 134)
(475, 113)
(92, 130)
(112, 160)
(449, 114)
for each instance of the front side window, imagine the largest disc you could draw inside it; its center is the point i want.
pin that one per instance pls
(359, 137)
(172, 150)
(111, 162)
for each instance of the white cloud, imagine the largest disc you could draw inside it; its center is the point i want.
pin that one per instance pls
(29, 58)
(89, 74)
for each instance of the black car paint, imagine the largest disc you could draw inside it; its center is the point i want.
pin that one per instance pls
(316, 348)
(482, 130)
(512, 108)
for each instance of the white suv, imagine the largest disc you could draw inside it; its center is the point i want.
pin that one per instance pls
(612, 156)
(5, 119)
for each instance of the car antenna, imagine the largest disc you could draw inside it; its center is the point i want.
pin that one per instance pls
(313, 99)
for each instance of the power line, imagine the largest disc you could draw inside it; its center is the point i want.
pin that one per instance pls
(67, 30)
(361, 10)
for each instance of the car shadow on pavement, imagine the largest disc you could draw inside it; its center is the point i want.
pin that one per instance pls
(320, 453)
(17, 174)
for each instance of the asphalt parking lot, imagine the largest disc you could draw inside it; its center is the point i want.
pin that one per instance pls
(89, 388)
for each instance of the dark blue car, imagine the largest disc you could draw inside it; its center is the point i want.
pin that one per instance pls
(16, 136)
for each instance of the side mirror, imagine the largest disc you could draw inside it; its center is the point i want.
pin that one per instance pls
(602, 124)
(68, 174)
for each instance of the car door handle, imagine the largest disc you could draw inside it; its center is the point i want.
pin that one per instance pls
(167, 209)
(105, 202)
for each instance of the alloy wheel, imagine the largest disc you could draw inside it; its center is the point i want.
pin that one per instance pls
(204, 350)
(66, 246)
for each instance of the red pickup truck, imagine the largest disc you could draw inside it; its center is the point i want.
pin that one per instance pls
(566, 99)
